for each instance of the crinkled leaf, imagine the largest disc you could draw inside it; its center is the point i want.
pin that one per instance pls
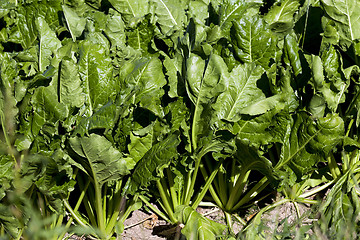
(204, 83)
(75, 24)
(253, 40)
(170, 15)
(71, 93)
(103, 119)
(310, 141)
(115, 30)
(141, 36)
(151, 165)
(281, 16)
(131, 10)
(49, 43)
(100, 159)
(55, 184)
(257, 130)
(47, 109)
(233, 10)
(346, 16)
(146, 79)
(251, 159)
(25, 31)
(241, 91)
(197, 227)
(173, 68)
(291, 54)
(95, 69)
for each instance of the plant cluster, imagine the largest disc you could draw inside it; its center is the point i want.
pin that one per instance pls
(108, 105)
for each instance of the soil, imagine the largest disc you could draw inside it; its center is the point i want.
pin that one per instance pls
(142, 225)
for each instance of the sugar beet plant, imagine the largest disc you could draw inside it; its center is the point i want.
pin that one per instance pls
(108, 105)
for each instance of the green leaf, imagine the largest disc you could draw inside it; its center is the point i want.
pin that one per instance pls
(141, 141)
(253, 41)
(24, 32)
(257, 130)
(100, 159)
(341, 205)
(145, 77)
(131, 10)
(346, 16)
(103, 119)
(75, 24)
(204, 83)
(95, 69)
(151, 166)
(328, 79)
(281, 16)
(241, 91)
(197, 227)
(9, 222)
(311, 141)
(49, 43)
(251, 159)
(115, 30)
(47, 109)
(173, 68)
(233, 10)
(170, 15)
(71, 93)
(291, 54)
(7, 174)
(140, 36)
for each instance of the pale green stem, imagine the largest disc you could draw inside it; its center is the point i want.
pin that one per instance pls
(238, 189)
(165, 201)
(154, 209)
(173, 194)
(316, 190)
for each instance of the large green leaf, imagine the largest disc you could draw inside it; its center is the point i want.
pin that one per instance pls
(233, 10)
(251, 159)
(170, 15)
(75, 24)
(197, 227)
(310, 141)
(101, 161)
(47, 109)
(253, 41)
(24, 32)
(145, 77)
(71, 93)
(241, 91)
(204, 82)
(281, 16)
(151, 165)
(328, 79)
(346, 15)
(96, 74)
(49, 43)
(131, 10)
